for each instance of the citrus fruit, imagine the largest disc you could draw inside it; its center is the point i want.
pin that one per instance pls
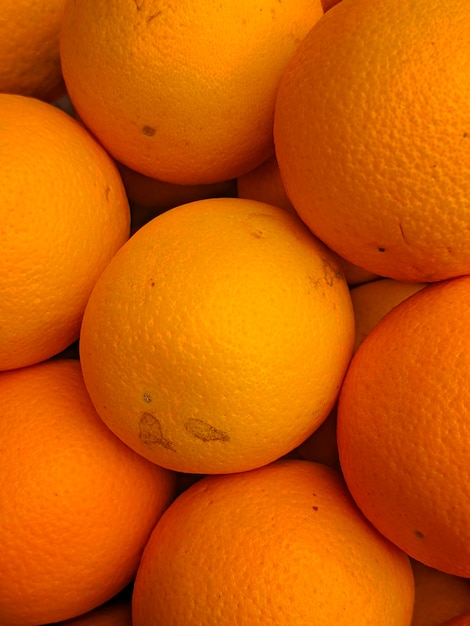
(438, 596)
(264, 183)
(282, 545)
(64, 214)
(112, 613)
(461, 620)
(372, 300)
(404, 425)
(218, 336)
(376, 167)
(29, 48)
(76, 506)
(181, 90)
(321, 446)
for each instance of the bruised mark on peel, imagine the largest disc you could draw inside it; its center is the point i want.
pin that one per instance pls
(204, 431)
(148, 131)
(151, 433)
(331, 273)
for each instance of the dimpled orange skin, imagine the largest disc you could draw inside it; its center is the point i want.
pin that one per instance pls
(76, 505)
(217, 338)
(376, 167)
(64, 214)
(29, 48)
(282, 545)
(181, 90)
(404, 425)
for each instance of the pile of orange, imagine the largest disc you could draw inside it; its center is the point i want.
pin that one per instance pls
(235, 294)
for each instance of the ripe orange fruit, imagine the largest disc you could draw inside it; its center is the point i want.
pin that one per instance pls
(372, 300)
(376, 167)
(217, 338)
(76, 506)
(264, 183)
(112, 613)
(194, 101)
(29, 48)
(321, 446)
(461, 620)
(438, 596)
(64, 214)
(282, 545)
(404, 424)
(149, 197)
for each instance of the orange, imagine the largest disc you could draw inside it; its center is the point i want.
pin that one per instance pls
(282, 545)
(264, 183)
(29, 48)
(404, 426)
(181, 90)
(376, 167)
(149, 197)
(64, 214)
(112, 613)
(321, 446)
(372, 300)
(328, 4)
(438, 596)
(217, 338)
(76, 506)
(461, 620)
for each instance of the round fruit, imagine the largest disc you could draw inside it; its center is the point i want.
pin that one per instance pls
(438, 596)
(77, 506)
(404, 425)
(64, 214)
(182, 90)
(282, 545)
(29, 48)
(372, 300)
(217, 338)
(376, 167)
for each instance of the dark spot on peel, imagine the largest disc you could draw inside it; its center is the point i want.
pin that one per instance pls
(380, 249)
(147, 397)
(315, 508)
(148, 131)
(331, 273)
(204, 431)
(419, 534)
(151, 433)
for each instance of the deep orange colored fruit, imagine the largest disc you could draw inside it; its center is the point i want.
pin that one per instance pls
(321, 446)
(282, 545)
(376, 167)
(76, 505)
(112, 613)
(264, 183)
(217, 338)
(374, 299)
(438, 596)
(29, 48)
(404, 426)
(64, 214)
(194, 101)
(461, 620)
